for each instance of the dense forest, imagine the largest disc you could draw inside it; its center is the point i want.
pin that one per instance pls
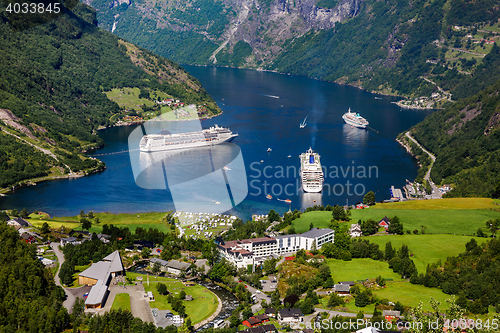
(29, 299)
(54, 76)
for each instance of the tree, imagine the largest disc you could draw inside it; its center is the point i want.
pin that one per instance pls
(369, 198)
(145, 253)
(90, 215)
(156, 268)
(493, 226)
(389, 251)
(247, 313)
(24, 213)
(396, 227)
(270, 266)
(340, 214)
(45, 228)
(66, 273)
(189, 325)
(86, 224)
(311, 226)
(362, 300)
(273, 216)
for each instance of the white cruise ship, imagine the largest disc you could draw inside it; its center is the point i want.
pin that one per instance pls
(354, 119)
(310, 172)
(207, 137)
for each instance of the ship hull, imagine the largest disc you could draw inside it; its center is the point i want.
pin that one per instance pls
(187, 145)
(311, 174)
(352, 123)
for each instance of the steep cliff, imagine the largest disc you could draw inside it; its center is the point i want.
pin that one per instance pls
(244, 33)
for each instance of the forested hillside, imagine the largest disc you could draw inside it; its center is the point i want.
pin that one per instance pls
(465, 138)
(396, 47)
(52, 91)
(29, 299)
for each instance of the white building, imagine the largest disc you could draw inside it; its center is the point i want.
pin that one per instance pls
(253, 251)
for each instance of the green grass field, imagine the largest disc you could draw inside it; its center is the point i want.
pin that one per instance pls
(360, 269)
(461, 216)
(131, 221)
(128, 98)
(396, 289)
(204, 302)
(427, 249)
(122, 301)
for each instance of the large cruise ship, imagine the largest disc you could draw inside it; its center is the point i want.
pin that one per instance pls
(354, 119)
(310, 172)
(207, 137)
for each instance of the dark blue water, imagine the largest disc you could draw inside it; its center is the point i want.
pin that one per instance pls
(265, 109)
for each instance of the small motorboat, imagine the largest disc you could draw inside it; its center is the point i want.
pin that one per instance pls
(269, 150)
(269, 196)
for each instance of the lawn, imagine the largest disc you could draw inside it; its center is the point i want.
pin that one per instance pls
(202, 306)
(360, 269)
(461, 216)
(427, 249)
(132, 221)
(122, 301)
(396, 289)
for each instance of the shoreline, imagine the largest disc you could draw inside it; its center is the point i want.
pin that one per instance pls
(143, 121)
(6, 191)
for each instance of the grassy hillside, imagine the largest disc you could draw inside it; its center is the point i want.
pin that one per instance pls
(427, 249)
(54, 76)
(462, 216)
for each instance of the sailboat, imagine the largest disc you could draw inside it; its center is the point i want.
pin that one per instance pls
(304, 122)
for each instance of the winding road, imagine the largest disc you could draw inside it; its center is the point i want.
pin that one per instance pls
(70, 298)
(436, 194)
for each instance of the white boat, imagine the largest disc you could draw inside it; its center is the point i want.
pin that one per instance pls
(304, 122)
(354, 119)
(207, 137)
(311, 174)
(269, 150)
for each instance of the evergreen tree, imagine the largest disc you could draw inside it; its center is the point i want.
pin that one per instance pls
(369, 198)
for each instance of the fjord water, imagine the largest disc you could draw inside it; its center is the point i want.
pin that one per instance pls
(265, 109)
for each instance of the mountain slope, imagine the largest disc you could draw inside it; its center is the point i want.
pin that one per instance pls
(52, 92)
(466, 141)
(395, 47)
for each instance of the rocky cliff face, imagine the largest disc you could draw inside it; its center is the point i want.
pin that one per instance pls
(263, 24)
(266, 28)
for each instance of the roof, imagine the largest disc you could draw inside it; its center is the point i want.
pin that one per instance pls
(260, 329)
(386, 220)
(178, 265)
(290, 313)
(20, 221)
(116, 262)
(392, 313)
(270, 310)
(342, 288)
(97, 293)
(351, 283)
(158, 260)
(316, 232)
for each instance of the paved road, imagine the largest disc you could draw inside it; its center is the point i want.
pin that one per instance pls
(139, 304)
(70, 298)
(435, 192)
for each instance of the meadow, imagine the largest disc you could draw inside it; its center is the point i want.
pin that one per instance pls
(460, 216)
(204, 302)
(132, 221)
(427, 249)
(396, 288)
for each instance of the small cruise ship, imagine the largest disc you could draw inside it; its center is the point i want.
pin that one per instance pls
(207, 137)
(310, 172)
(354, 119)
